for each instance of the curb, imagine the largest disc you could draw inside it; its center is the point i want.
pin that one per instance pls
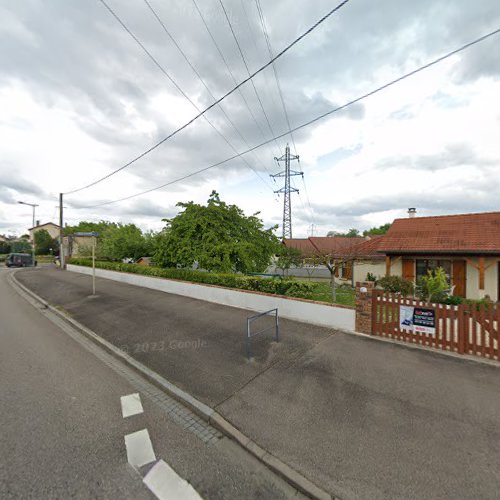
(440, 352)
(208, 414)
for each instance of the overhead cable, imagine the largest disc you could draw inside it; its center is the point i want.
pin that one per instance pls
(172, 134)
(313, 120)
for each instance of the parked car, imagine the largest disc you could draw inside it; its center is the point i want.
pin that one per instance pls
(20, 260)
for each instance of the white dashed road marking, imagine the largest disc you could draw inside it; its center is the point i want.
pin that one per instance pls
(139, 448)
(165, 484)
(131, 405)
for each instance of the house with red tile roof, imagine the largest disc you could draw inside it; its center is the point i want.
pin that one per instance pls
(341, 250)
(369, 260)
(466, 246)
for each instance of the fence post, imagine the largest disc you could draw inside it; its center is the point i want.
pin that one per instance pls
(364, 303)
(462, 330)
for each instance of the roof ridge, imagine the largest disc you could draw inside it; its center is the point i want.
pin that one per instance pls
(449, 215)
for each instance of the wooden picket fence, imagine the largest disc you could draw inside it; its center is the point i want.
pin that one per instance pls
(464, 329)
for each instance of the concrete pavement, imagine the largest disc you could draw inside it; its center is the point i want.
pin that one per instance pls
(360, 418)
(62, 427)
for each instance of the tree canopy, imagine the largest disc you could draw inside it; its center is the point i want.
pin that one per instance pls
(288, 257)
(116, 241)
(20, 246)
(374, 231)
(45, 244)
(352, 233)
(217, 236)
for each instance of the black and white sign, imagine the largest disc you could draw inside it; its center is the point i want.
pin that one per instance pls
(417, 320)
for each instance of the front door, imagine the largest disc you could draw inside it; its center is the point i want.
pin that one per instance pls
(459, 277)
(409, 269)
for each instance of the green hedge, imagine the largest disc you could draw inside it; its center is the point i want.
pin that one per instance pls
(275, 286)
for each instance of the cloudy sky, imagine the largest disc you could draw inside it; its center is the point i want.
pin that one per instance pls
(79, 98)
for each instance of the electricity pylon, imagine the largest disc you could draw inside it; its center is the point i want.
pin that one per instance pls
(287, 189)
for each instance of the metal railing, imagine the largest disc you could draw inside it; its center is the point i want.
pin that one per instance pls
(251, 319)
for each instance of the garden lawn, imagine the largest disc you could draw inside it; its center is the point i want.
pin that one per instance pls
(323, 293)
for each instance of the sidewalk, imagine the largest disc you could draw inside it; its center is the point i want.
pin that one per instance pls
(362, 419)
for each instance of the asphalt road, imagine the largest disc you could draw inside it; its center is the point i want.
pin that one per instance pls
(62, 429)
(362, 418)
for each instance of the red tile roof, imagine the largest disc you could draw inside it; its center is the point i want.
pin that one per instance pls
(335, 245)
(458, 234)
(370, 248)
(302, 244)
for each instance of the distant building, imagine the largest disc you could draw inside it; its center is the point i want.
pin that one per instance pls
(50, 227)
(77, 246)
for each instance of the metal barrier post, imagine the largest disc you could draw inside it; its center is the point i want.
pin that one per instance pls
(250, 319)
(248, 348)
(277, 327)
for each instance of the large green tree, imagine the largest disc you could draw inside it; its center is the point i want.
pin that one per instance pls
(45, 244)
(218, 236)
(116, 241)
(20, 246)
(120, 241)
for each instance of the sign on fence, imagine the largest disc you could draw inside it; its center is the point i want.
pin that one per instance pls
(417, 320)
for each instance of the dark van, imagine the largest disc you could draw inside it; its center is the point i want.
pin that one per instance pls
(19, 260)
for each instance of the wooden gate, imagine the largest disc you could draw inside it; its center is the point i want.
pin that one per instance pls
(465, 329)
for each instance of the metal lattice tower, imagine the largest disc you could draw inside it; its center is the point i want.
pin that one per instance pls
(287, 189)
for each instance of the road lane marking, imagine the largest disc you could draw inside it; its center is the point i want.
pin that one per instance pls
(166, 484)
(139, 448)
(131, 405)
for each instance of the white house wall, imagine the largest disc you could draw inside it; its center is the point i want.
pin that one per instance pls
(362, 268)
(490, 279)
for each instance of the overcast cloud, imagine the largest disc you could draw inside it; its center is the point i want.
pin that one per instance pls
(79, 98)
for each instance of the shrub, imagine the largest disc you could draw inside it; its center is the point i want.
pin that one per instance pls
(396, 284)
(485, 301)
(275, 286)
(453, 300)
(371, 277)
(300, 289)
(434, 287)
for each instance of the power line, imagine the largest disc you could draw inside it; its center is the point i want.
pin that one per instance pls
(257, 50)
(159, 143)
(248, 72)
(314, 120)
(275, 71)
(162, 69)
(174, 41)
(283, 104)
(229, 69)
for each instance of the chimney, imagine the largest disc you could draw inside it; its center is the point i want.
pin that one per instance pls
(412, 212)
(37, 223)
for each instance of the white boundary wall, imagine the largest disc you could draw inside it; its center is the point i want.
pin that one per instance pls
(298, 310)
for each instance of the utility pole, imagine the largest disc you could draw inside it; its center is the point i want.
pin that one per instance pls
(33, 206)
(287, 189)
(61, 232)
(312, 226)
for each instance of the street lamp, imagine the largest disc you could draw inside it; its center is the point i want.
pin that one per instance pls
(33, 206)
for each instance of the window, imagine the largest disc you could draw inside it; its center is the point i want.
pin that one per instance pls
(425, 265)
